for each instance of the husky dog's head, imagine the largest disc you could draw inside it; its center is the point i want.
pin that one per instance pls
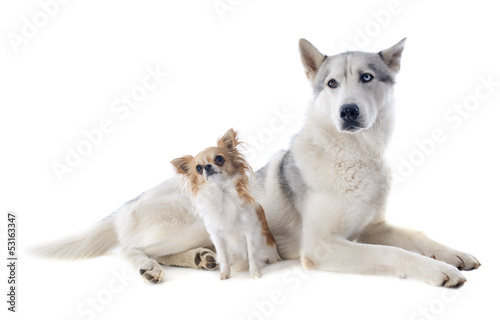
(351, 87)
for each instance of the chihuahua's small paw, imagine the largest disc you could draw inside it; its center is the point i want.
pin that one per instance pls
(225, 275)
(205, 259)
(256, 274)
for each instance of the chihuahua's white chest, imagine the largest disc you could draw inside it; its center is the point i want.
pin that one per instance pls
(220, 206)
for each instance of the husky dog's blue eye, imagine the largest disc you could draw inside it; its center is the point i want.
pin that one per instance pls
(332, 83)
(366, 77)
(219, 160)
(199, 169)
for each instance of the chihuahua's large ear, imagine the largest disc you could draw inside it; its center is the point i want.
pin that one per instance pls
(311, 58)
(229, 140)
(182, 164)
(392, 56)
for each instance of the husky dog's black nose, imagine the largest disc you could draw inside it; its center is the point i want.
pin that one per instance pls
(208, 167)
(349, 112)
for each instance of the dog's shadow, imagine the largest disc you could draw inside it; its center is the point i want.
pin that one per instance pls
(268, 271)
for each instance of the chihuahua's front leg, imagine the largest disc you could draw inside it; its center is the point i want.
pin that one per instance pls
(254, 264)
(222, 256)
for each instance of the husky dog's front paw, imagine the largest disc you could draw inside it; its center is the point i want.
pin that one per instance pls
(152, 272)
(460, 260)
(205, 259)
(452, 278)
(225, 275)
(442, 274)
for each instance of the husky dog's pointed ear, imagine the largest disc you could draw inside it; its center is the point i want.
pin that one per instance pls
(392, 56)
(181, 165)
(229, 140)
(311, 58)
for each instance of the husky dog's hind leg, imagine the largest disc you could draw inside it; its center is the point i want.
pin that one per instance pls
(149, 268)
(199, 258)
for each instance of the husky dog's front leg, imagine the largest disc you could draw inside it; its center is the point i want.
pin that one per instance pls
(324, 247)
(345, 256)
(417, 241)
(222, 255)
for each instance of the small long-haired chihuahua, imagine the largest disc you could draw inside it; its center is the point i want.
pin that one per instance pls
(218, 180)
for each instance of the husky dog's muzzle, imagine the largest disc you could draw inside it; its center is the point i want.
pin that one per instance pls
(349, 113)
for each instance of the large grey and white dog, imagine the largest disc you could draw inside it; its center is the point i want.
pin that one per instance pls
(324, 198)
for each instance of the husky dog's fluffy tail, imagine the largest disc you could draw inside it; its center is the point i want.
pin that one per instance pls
(99, 240)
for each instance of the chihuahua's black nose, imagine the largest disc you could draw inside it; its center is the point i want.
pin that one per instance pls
(208, 167)
(349, 112)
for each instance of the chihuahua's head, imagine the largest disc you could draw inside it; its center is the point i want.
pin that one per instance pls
(221, 162)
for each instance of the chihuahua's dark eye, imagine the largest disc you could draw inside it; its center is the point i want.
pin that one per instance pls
(366, 77)
(199, 169)
(332, 83)
(219, 160)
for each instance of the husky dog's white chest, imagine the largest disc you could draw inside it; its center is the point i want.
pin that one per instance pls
(351, 185)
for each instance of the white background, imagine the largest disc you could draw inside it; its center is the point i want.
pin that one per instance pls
(238, 71)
